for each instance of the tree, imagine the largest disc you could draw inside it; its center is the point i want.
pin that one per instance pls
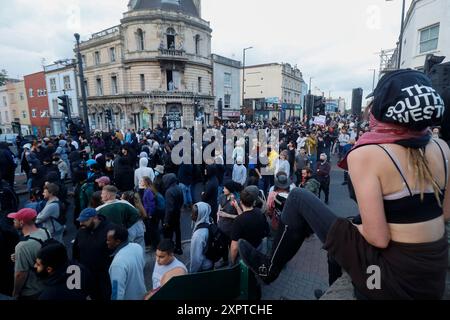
(3, 77)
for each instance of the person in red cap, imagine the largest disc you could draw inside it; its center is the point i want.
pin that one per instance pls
(27, 285)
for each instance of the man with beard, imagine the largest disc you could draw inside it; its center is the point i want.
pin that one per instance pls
(52, 266)
(27, 286)
(90, 250)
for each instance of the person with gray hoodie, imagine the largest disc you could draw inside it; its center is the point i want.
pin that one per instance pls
(199, 242)
(239, 172)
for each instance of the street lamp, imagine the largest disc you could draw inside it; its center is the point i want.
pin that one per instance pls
(243, 75)
(402, 30)
(83, 88)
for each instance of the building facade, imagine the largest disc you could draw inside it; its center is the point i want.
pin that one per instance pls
(273, 91)
(18, 107)
(36, 90)
(427, 31)
(5, 126)
(153, 68)
(61, 79)
(227, 87)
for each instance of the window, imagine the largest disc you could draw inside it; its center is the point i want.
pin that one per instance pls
(227, 79)
(21, 96)
(171, 38)
(14, 113)
(6, 116)
(199, 84)
(83, 60)
(142, 77)
(33, 113)
(30, 92)
(53, 85)
(86, 87)
(5, 102)
(99, 87)
(114, 89)
(97, 58)
(140, 39)
(1, 120)
(67, 85)
(112, 54)
(227, 101)
(429, 38)
(197, 44)
(24, 114)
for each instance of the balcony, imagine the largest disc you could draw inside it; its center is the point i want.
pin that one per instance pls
(172, 54)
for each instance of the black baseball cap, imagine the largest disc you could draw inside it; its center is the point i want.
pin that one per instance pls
(406, 97)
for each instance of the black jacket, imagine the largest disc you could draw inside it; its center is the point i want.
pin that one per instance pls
(211, 189)
(90, 248)
(174, 198)
(186, 174)
(55, 287)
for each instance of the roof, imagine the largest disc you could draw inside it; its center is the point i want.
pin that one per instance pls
(184, 6)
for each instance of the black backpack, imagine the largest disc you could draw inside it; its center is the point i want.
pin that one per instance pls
(43, 243)
(62, 218)
(9, 201)
(217, 245)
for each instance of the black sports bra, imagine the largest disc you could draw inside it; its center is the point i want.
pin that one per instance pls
(406, 206)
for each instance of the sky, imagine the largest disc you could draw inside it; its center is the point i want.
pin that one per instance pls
(334, 42)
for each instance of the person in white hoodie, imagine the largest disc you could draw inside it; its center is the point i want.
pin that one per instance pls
(127, 268)
(239, 172)
(199, 242)
(143, 171)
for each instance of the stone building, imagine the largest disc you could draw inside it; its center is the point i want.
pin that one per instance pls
(153, 68)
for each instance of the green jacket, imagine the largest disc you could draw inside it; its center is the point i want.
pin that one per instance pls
(120, 212)
(86, 192)
(313, 185)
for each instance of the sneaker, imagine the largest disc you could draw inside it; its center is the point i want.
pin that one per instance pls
(258, 263)
(178, 252)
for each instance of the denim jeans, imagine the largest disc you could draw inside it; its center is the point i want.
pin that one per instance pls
(187, 195)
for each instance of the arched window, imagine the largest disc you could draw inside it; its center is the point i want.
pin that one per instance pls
(171, 38)
(140, 39)
(197, 44)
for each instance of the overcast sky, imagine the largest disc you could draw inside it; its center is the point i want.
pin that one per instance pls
(335, 42)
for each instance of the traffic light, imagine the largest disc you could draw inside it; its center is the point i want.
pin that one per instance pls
(65, 105)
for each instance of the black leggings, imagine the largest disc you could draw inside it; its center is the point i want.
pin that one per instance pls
(303, 214)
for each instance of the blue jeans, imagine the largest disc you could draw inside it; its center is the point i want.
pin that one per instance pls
(187, 194)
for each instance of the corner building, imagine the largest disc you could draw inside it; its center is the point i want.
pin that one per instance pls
(154, 68)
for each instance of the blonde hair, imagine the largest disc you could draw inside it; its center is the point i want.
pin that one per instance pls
(424, 176)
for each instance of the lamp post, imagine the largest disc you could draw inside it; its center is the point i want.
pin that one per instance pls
(83, 88)
(243, 75)
(402, 30)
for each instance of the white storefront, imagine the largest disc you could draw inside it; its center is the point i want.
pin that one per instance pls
(60, 79)
(227, 86)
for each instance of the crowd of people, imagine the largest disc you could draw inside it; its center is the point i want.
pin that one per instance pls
(129, 196)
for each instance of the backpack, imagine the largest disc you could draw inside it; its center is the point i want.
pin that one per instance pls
(42, 242)
(217, 245)
(62, 218)
(280, 201)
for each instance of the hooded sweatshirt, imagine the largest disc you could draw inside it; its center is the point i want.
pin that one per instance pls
(199, 241)
(174, 198)
(143, 171)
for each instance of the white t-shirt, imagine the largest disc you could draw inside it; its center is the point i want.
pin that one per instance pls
(160, 271)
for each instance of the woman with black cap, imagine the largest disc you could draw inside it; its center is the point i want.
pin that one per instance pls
(397, 248)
